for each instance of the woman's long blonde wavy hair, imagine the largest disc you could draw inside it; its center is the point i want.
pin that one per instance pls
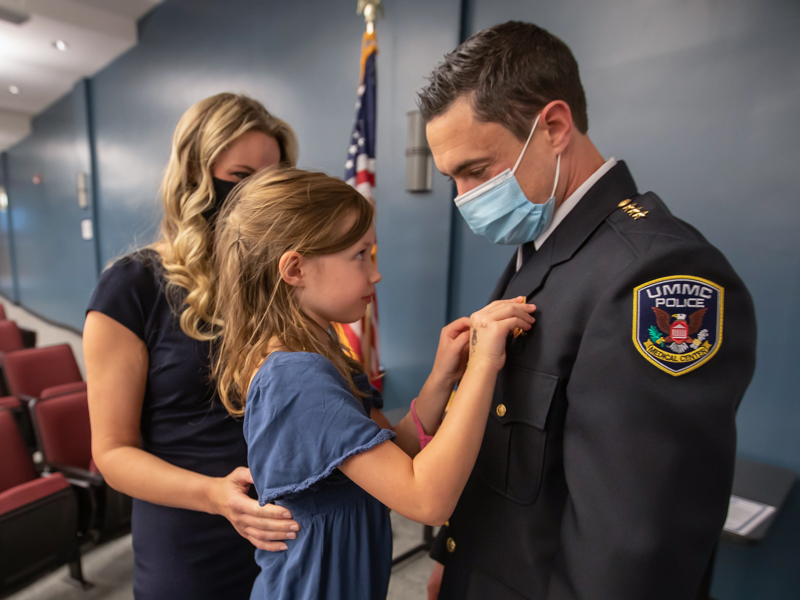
(273, 213)
(203, 133)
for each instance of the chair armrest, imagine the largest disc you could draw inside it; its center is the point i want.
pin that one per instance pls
(24, 398)
(77, 474)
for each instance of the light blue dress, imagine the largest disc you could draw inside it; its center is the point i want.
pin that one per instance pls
(301, 422)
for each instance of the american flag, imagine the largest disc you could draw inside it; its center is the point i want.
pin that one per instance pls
(362, 337)
(359, 169)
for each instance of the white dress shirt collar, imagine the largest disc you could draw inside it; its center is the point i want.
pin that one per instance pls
(568, 204)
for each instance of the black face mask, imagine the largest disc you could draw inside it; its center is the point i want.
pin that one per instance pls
(222, 190)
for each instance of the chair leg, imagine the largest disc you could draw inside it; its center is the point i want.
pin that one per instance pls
(76, 575)
(427, 543)
(427, 535)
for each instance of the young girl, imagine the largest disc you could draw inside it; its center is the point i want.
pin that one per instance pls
(293, 253)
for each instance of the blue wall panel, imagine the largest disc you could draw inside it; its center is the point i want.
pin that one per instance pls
(6, 241)
(55, 267)
(413, 229)
(701, 99)
(304, 66)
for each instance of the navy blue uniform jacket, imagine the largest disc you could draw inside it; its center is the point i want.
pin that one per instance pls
(607, 461)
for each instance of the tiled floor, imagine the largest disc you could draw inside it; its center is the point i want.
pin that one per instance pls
(110, 566)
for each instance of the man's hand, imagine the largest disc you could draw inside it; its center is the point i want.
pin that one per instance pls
(435, 582)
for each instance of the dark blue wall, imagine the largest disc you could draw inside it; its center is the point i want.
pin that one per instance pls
(701, 99)
(6, 244)
(56, 268)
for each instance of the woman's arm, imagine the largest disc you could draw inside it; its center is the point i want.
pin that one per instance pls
(116, 371)
(427, 487)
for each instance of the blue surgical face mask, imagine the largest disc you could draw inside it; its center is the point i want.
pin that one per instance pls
(498, 209)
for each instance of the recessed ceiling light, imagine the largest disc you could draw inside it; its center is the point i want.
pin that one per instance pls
(60, 45)
(13, 89)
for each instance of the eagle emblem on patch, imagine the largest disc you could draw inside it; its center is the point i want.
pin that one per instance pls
(677, 322)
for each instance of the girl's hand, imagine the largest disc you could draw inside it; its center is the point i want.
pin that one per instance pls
(452, 354)
(490, 327)
(263, 526)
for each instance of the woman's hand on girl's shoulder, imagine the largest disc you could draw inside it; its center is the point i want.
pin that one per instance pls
(263, 526)
(491, 326)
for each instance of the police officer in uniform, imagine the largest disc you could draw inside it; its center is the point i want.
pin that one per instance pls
(608, 457)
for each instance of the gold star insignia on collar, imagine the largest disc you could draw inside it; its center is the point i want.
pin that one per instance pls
(632, 210)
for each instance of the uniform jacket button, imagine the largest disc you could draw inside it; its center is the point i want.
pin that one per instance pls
(451, 545)
(501, 410)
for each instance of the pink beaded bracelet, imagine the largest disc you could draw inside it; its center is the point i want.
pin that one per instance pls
(424, 438)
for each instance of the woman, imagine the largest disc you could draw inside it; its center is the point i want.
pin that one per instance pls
(159, 432)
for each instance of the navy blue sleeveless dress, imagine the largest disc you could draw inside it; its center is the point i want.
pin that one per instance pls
(301, 422)
(179, 554)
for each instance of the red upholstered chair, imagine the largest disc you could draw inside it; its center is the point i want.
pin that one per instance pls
(63, 434)
(31, 371)
(23, 419)
(10, 336)
(10, 403)
(28, 335)
(64, 388)
(10, 340)
(38, 516)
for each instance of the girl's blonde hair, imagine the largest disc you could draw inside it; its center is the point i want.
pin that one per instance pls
(203, 133)
(273, 213)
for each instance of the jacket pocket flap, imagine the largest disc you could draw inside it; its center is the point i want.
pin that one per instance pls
(525, 397)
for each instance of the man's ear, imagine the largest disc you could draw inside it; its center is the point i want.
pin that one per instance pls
(557, 119)
(291, 268)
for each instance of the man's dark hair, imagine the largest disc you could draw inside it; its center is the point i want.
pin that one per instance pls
(509, 72)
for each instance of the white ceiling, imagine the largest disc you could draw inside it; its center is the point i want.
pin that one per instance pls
(96, 32)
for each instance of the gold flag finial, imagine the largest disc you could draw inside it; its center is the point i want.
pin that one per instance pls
(372, 11)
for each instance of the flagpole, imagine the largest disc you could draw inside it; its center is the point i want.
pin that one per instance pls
(370, 14)
(372, 11)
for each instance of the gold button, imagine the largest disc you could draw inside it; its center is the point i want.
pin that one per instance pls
(501, 410)
(447, 523)
(624, 203)
(451, 545)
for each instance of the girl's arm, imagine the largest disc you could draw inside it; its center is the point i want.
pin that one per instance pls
(448, 368)
(427, 487)
(116, 371)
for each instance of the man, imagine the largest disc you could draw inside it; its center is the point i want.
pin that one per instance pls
(607, 461)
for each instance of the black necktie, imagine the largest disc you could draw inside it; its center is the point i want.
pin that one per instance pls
(528, 250)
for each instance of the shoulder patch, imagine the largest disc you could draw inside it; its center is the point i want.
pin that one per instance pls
(677, 322)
